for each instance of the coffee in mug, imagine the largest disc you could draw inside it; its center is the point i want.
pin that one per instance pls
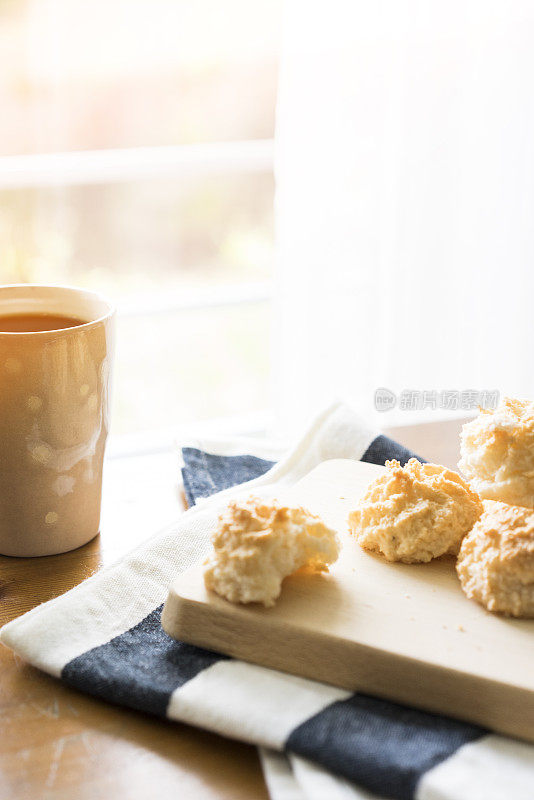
(56, 346)
(33, 323)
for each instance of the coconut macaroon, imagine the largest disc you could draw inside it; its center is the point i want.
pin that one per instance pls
(497, 450)
(415, 513)
(496, 560)
(258, 543)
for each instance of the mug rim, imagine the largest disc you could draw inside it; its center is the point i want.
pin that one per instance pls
(111, 307)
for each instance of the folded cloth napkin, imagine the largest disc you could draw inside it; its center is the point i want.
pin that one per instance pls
(104, 637)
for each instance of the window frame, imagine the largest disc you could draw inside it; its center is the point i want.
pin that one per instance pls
(103, 167)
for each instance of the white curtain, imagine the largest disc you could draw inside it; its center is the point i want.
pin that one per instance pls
(405, 199)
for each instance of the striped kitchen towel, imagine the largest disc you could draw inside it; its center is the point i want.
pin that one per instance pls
(104, 637)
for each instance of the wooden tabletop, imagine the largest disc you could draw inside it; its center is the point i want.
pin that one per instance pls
(58, 744)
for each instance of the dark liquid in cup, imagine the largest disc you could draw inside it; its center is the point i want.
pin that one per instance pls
(31, 323)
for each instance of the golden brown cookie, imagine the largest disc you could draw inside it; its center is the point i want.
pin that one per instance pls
(258, 543)
(415, 513)
(496, 560)
(497, 450)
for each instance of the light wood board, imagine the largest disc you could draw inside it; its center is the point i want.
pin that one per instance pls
(403, 632)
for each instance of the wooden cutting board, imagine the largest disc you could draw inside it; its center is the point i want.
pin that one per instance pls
(403, 632)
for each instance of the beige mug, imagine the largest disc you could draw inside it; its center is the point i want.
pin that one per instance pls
(54, 410)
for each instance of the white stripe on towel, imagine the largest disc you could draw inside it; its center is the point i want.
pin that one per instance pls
(492, 768)
(279, 777)
(276, 703)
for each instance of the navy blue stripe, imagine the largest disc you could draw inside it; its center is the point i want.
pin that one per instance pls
(204, 473)
(383, 448)
(141, 668)
(382, 746)
(188, 489)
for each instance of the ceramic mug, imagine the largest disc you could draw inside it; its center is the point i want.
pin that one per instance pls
(54, 410)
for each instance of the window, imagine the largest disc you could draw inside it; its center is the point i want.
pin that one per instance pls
(137, 159)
